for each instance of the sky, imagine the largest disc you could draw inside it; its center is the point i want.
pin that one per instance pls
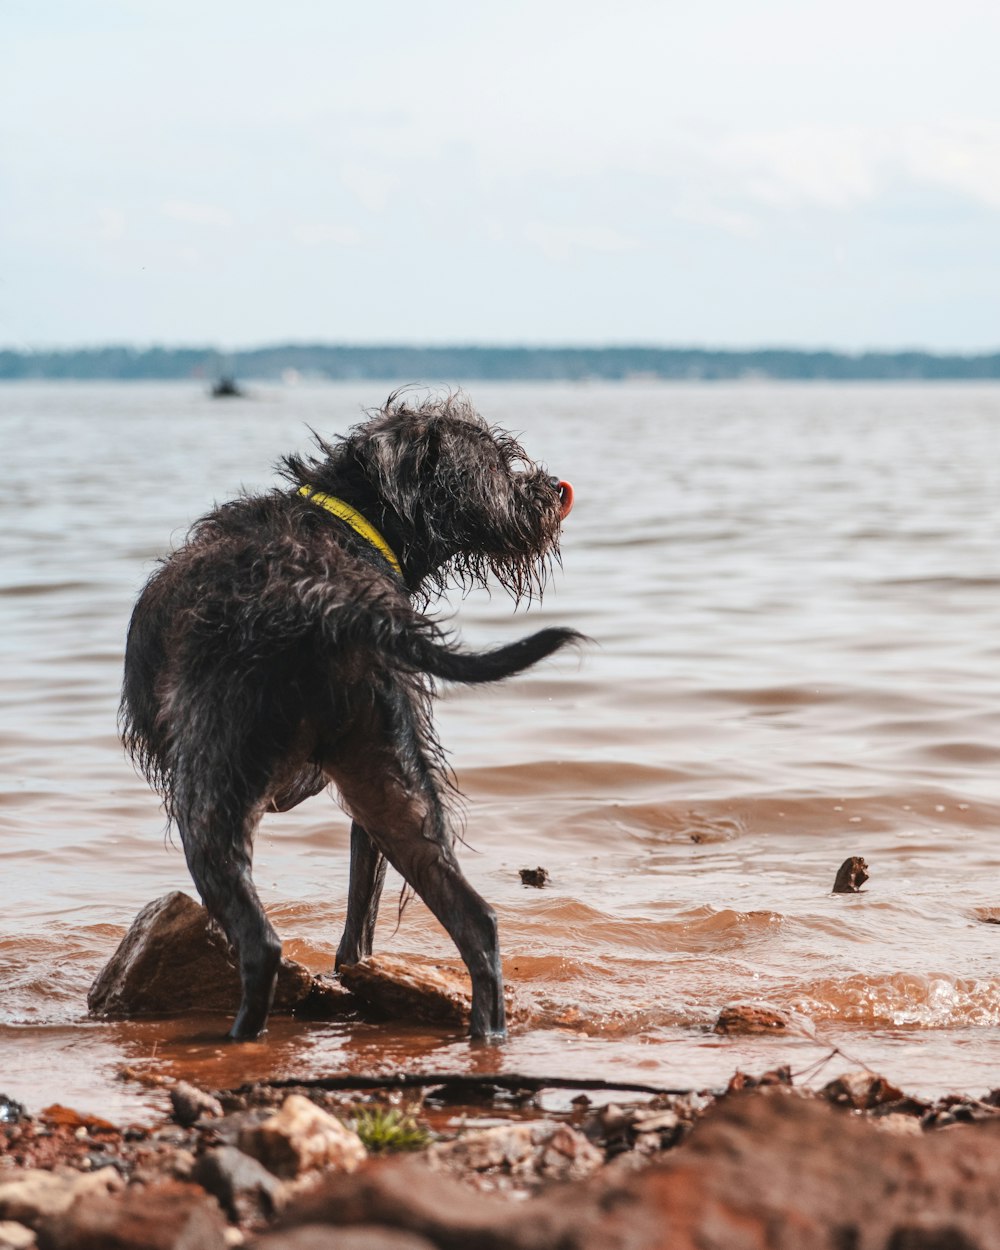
(728, 174)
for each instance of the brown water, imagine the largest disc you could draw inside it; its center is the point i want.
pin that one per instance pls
(795, 597)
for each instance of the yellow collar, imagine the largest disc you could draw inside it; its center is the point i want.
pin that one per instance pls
(355, 520)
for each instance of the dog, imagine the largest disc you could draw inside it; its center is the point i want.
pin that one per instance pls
(284, 647)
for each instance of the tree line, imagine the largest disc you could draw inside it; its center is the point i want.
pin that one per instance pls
(343, 362)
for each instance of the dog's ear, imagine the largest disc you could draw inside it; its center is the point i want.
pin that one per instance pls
(400, 456)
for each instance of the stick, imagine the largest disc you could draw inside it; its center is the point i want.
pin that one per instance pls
(459, 1081)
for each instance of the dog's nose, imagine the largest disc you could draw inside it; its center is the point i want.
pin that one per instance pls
(565, 498)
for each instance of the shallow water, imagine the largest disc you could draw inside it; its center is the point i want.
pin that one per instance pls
(794, 594)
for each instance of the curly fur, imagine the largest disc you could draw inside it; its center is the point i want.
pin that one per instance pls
(277, 651)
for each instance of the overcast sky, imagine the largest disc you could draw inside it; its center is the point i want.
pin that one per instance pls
(711, 172)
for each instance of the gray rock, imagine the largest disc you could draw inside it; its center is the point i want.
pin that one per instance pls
(245, 1189)
(530, 1151)
(191, 1103)
(11, 1112)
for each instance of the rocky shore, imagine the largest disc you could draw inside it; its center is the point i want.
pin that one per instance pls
(855, 1165)
(455, 1161)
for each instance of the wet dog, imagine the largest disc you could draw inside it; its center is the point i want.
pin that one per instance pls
(283, 648)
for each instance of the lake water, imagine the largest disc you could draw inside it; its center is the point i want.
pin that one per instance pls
(794, 596)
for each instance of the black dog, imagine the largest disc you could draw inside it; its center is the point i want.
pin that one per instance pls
(280, 650)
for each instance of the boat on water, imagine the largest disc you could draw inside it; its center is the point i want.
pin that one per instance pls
(227, 388)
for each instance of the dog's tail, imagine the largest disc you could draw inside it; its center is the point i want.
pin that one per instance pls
(444, 660)
(392, 627)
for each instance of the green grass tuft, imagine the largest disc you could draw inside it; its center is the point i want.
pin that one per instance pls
(388, 1128)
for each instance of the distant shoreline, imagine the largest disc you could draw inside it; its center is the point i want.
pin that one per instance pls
(349, 363)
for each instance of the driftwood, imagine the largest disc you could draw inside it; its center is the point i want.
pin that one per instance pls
(465, 1082)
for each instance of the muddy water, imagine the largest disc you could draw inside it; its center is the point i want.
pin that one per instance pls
(794, 594)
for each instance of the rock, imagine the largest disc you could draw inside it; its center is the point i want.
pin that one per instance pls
(508, 1147)
(537, 877)
(851, 875)
(68, 1117)
(245, 1189)
(173, 960)
(766, 1170)
(568, 1156)
(410, 990)
(362, 1237)
(908, 1125)
(11, 1112)
(531, 1151)
(300, 1137)
(655, 1130)
(190, 1104)
(749, 1018)
(944, 1237)
(327, 999)
(861, 1090)
(745, 1080)
(655, 1121)
(167, 1216)
(15, 1236)
(31, 1195)
(405, 1195)
(403, 989)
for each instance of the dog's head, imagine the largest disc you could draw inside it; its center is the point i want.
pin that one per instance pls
(460, 497)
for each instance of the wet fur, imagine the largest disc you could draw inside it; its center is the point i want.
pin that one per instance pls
(277, 651)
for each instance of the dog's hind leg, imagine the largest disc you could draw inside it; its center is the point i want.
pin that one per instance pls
(433, 871)
(218, 847)
(363, 894)
(392, 791)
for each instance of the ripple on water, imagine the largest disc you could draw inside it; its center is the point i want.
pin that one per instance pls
(792, 593)
(902, 999)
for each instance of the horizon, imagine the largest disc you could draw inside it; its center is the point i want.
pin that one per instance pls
(277, 344)
(449, 364)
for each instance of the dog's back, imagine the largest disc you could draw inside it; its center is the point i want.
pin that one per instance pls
(251, 641)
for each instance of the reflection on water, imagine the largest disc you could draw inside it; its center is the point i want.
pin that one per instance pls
(794, 594)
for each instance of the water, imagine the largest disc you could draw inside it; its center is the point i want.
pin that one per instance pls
(794, 594)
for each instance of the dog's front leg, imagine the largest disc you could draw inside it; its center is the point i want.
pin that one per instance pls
(363, 894)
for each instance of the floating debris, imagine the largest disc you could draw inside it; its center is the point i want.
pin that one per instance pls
(851, 876)
(749, 1018)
